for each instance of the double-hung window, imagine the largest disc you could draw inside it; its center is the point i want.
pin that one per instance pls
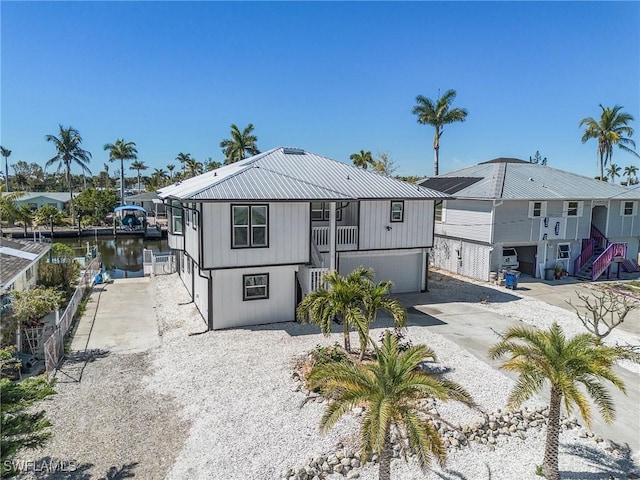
(397, 211)
(628, 209)
(537, 209)
(256, 287)
(320, 211)
(249, 226)
(176, 217)
(572, 209)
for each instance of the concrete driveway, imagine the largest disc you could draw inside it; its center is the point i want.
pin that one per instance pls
(119, 317)
(448, 309)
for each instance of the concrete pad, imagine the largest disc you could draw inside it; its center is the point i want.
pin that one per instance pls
(120, 317)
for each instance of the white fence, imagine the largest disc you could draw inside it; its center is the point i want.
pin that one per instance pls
(310, 278)
(158, 263)
(54, 345)
(346, 237)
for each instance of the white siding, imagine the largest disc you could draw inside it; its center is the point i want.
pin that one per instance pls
(176, 242)
(201, 293)
(230, 310)
(191, 234)
(469, 219)
(621, 226)
(464, 258)
(289, 237)
(403, 268)
(378, 232)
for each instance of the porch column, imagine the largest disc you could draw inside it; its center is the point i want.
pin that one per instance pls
(332, 235)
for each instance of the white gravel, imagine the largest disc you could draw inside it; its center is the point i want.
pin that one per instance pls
(235, 390)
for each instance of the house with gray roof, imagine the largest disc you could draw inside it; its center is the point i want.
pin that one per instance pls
(19, 263)
(546, 217)
(255, 236)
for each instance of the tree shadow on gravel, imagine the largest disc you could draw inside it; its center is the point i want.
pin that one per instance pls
(609, 465)
(50, 468)
(74, 363)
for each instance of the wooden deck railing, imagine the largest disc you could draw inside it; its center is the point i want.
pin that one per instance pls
(587, 253)
(605, 259)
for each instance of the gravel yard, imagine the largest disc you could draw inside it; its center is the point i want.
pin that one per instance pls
(223, 405)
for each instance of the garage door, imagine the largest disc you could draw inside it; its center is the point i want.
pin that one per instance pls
(404, 270)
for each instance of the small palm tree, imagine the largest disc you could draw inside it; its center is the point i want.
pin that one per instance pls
(391, 390)
(630, 172)
(342, 299)
(138, 165)
(25, 215)
(183, 158)
(170, 167)
(548, 357)
(438, 114)
(613, 171)
(121, 150)
(240, 144)
(612, 129)
(6, 153)
(211, 164)
(8, 207)
(68, 151)
(362, 159)
(193, 168)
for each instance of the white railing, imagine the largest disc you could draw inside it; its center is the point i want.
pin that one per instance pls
(346, 236)
(158, 263)
(310, 278)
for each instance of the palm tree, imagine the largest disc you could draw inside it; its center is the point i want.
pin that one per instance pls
(106, 172)
(138, 165)
(183, 158)
(342, 299)
(9, 210)
(438, 114)
(6, 153)
(391, 389)
(612, 129)
(613, 171)
(121, 150)
(361, 159)
(630, 172)
(193, 168)
(68, 151)
(170, 167)
(25, 215)
(548, 357)
(376, 298)
(240, 144)
(211, 164)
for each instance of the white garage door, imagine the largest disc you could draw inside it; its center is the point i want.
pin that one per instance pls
(404, 270)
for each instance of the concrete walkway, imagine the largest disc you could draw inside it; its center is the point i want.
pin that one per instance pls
(475, 329)
(119, 317)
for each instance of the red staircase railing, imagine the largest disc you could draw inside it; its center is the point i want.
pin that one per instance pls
(605, 259)
(587, 253)
(599, 237)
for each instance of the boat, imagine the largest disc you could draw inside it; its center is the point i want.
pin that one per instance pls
(129, 219)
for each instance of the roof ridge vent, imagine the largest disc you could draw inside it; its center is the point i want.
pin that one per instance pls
(292, 151)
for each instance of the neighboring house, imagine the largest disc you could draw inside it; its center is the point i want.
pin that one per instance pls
(19, 264)
(37, 199)
(256, 236)
(547, 217)
(150, 201)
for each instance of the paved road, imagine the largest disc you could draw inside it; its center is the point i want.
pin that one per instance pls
(120, 317)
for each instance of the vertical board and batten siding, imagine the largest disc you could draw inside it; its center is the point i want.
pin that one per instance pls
(201, 293)
(230, 310)
(623, 225)
(464, 258)
(415, 231)
(403, 268)
(191, 236)
(466, 219)
(288, 230)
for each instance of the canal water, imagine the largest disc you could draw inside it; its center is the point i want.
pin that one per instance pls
(121, 256)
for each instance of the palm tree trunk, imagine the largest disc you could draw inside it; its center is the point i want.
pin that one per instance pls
(550, 463)
(6, 174)
(347, 339)
(385, 456)
(138, 181)
(71, 206)
(121, 181)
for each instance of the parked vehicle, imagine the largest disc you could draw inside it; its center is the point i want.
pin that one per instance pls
(509, 259)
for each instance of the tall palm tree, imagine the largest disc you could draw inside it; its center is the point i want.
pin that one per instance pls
(548, 357)
(438, 114)
(68, 151)
(193, 168)
(361, 159)
(170, 167)
(613, 171)
(107, 178)
(121, 150)
(183, 158)
(391, 390)
(138, 165)
(6, 153)
(342, 299)
(630, 172)
(611, 129)
(240, 144)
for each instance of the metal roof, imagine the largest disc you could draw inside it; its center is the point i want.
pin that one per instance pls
(26, 196)
(292, 174)
(512, 180)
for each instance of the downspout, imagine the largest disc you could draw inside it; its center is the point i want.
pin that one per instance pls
(332, 236)
(492, 233)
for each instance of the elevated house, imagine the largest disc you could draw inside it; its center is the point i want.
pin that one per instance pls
(256, 235)
(511, 213)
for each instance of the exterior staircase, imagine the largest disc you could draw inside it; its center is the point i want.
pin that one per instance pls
(598, 254)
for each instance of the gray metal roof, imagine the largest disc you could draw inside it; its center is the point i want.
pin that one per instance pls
(16, 256)
(293, 174)
(520, 180)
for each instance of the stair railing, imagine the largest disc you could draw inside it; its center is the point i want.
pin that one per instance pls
(599, 237)
(605, 259)
(587, 253)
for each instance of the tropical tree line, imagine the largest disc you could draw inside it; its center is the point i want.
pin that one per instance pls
(392, 384)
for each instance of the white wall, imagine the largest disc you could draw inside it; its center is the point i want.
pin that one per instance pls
(469, 219)
(464, 258)
(415, 231)
(230, 310)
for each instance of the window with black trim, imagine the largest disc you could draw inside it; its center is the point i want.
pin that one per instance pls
(249, 226)
(564, 251)
(255, 287)
(194, 220)
(320, 211)
(438, 211)
(176, 217)
(628, 209)
(397, 211)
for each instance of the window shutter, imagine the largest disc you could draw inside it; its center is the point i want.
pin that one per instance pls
(531, 204)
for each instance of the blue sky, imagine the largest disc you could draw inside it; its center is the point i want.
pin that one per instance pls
(330, 77)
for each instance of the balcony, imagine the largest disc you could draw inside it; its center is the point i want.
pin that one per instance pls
(346, 238)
